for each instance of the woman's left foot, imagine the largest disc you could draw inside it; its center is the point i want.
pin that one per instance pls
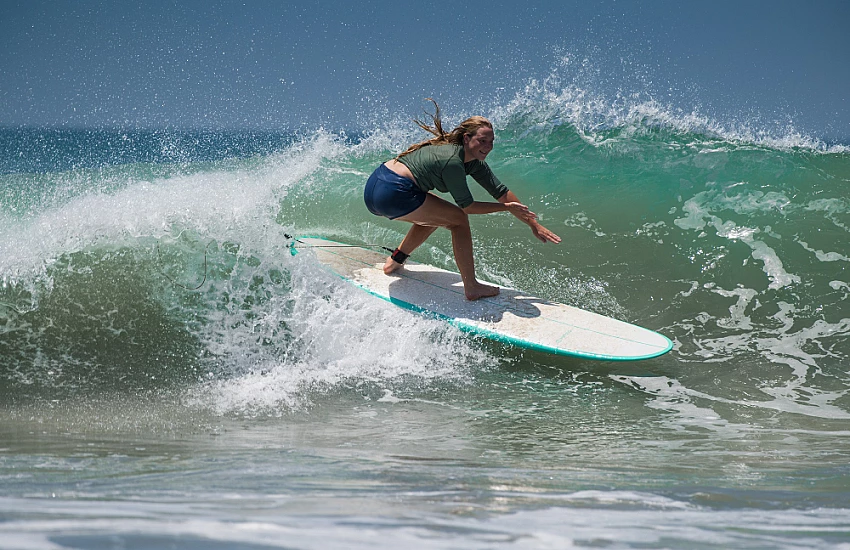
(391, 266)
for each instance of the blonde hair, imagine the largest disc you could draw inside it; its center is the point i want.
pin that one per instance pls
(469, 127)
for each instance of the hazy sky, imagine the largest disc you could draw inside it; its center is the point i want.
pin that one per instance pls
(290, 64)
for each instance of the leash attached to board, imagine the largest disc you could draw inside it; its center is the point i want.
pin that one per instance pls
(395, 254)
(308, 245)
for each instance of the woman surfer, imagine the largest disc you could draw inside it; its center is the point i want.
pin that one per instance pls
(399, 190)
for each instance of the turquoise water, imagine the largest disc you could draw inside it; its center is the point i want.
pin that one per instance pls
(171, 375)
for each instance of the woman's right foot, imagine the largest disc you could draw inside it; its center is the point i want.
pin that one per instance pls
(480, 290)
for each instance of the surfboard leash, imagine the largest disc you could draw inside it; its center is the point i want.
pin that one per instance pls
(175, 283)
(204, 280)
(307, 245)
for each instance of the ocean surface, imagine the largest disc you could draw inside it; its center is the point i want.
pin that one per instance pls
(171, 377)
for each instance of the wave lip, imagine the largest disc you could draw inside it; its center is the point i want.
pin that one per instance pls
(545, 104)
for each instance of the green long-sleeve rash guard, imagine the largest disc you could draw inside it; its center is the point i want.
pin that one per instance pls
(441, 167)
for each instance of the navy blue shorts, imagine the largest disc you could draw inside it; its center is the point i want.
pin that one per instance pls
(390, 195)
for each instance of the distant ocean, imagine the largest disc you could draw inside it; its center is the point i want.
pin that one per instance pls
(172, 377)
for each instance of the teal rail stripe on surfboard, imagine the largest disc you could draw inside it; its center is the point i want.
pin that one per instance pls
(513, 317)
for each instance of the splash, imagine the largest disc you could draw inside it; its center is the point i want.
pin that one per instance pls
(606, 114)
(336, 337)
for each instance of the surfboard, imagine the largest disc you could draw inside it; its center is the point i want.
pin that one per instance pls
(512, 317)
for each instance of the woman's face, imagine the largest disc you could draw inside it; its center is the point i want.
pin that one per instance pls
(478, 145)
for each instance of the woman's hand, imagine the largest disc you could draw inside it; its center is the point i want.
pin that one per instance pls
(521, 211)
(543, 234)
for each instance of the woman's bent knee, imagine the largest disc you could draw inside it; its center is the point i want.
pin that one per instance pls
(458, 218)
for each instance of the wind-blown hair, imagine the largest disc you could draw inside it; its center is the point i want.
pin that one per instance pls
(469, 126)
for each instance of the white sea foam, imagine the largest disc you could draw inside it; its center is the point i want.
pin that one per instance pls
(825, 256)
(787, 348)
(699, 210)
(838, 285)
(738, 319)
(336, 335)
(693, 407)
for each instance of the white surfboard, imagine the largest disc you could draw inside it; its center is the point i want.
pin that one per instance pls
(513, 316)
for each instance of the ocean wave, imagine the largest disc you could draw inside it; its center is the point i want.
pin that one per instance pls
(161, 276)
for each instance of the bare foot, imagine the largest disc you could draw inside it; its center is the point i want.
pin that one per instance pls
(391, 265)
(480, 290)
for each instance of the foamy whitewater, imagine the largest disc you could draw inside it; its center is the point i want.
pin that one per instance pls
(173, 376)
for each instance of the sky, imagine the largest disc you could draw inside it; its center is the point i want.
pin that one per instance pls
(286, 65)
